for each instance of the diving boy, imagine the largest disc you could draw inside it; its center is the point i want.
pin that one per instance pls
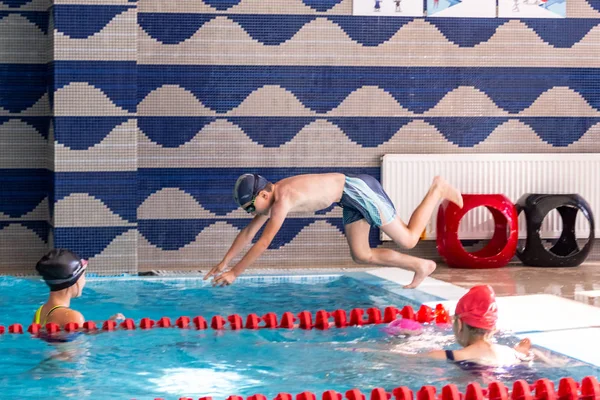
(364, 204)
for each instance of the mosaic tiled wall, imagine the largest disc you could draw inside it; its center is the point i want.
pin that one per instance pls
(159, 105)
(25, 145)
(95, 100)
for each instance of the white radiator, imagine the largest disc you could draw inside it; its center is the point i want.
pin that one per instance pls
(407, 177)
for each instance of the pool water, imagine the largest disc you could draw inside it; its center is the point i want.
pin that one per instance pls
(170, 363)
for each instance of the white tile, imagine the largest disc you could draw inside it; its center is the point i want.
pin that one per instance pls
(430, 286)
(580, 344)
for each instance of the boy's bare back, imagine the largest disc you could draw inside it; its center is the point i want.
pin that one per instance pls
(310, 192)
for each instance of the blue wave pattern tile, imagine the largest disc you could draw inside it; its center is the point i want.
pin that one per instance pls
(40, 228)
(115, 189)
(25, 187)
(98, 100)
(38, 18)
(172, 28)
(116, 79)
(68, 130)
(23, 190)
(322, 89)
(317, 5)
(40, 124)
(274, 132)
(88, 242)
(174, 234)
(172, 131)
(275, 29)
(22, 85)
(83, 21)
(15, 3)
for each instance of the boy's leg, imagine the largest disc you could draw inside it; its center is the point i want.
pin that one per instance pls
(357, 234)
(408, 236)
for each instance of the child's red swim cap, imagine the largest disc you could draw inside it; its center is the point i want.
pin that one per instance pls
(478, 307)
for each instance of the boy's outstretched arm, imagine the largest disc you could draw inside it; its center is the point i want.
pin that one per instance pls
(276, 220)
(241, 240)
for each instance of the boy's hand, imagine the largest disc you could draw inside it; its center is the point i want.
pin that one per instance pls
(225, 279)
(215, 270)
(117, 317)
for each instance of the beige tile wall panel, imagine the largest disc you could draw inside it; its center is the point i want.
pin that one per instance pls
(222, 41)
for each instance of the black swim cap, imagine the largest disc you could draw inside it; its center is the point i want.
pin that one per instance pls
(61, 268)
(248, 186)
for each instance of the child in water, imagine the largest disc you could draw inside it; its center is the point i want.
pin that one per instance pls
(474, 327)
(64, 273)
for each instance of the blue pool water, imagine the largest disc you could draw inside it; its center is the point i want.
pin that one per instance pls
(170, 363)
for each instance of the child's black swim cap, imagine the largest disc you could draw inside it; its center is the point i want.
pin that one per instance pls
(61, 268)
(247, 187)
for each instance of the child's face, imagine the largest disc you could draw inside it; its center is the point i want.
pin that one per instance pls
(80, 284)
(262, 204)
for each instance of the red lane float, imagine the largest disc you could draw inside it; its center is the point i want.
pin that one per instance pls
(427, 393)
(90, 326)
(305, 396)
(474, 392)
(235, 322)
(183, 322)
(51, 327)
(521, 390)
(568, 389)
(257, 397)
(356, 317)
(355, 394)
(303, 320)
(402, 393)
(380, 394)
(590, 388)
(71, 327)
(146, 323)
(287, 320)
(200, 323)
(109, 325)
(34, 329)
(340, 318)
(544, 389)
(270, 320)
(128, 324)
(451, 392)
(390, 314)
(217, 322)
(374, 316)
(425, 314)
(164, 322)
(252, 321)
(322, 320)
(407, 312)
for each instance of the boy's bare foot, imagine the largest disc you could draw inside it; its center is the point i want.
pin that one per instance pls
(448, 191)
(423, 271)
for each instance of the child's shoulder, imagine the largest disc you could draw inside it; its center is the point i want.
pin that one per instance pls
(510, 355)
